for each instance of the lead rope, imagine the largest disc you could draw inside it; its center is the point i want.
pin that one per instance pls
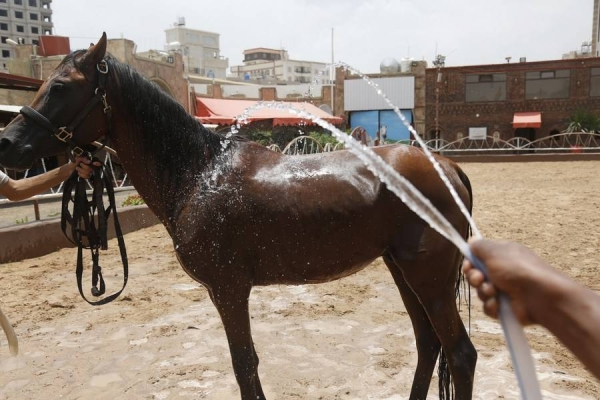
(89, 223)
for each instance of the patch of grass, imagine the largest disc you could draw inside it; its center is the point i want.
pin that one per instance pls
(133, 200)
(23, 220)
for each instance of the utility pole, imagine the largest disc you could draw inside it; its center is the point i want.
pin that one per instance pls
(332, 74)
(439, 63)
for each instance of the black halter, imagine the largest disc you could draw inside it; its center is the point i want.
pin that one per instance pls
(65, 133)
(89, 218)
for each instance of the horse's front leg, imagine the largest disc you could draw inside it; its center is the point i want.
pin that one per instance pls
(232, 304)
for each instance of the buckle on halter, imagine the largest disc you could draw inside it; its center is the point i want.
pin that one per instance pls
(77, 151)
(63, 134)
(102, 67)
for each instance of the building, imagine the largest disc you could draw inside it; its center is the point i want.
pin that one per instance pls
(403, 84)
(22, 22)
(526, 99)
(29, 62)
(200, 49)
(274, 66)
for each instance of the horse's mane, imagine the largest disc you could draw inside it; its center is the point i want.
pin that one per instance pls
(177, 141)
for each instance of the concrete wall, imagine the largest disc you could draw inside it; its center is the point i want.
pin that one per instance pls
(40, 238)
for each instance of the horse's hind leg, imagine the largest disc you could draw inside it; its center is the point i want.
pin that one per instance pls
(432, 277)
(429, 266)
(428, 344)
(232, 305)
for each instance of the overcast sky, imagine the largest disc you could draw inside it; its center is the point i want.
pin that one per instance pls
(365, 31)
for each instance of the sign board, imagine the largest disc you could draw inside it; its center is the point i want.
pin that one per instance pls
(477, 133)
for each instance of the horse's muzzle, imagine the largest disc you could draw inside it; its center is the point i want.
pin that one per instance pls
(13, 156)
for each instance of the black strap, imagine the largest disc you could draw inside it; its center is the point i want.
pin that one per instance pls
(89, 222)
(65, 133)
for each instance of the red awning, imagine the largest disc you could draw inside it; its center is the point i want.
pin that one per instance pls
(219, 111)
(527, 120)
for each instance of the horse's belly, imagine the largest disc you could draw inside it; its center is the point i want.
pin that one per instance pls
(301, 271)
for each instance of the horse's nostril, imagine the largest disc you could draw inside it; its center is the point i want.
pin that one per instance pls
(4, 144)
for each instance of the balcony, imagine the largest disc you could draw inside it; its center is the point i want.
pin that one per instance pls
(302, 70)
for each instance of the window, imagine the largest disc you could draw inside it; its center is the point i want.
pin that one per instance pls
(35, 42)
(46, 6)
(3, 13)
(485, 87)
(3, 1)
(32, 3)
(35, 30)
(20, 28)
(4, 39)
(547, 84)
(3, 27)
(19, 14)
(5, 53)
(33, 16)
(18, 2)
(595, 82)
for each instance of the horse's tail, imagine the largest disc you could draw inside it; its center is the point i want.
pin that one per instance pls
(460, 278)
(446, 391)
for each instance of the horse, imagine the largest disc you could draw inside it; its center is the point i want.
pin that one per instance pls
(241, 215)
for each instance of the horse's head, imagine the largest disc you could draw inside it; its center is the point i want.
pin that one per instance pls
(66, 111)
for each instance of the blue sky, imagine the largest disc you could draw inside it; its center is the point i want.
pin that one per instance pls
(365, 31)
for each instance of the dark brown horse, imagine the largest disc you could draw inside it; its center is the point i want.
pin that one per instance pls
(241, 215)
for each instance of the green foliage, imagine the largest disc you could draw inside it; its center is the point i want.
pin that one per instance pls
(21, 221)
(133, 200)
(323, 138)
(260, 136)
(583, 121)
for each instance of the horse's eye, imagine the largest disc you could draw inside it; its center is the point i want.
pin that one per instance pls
(57, 87)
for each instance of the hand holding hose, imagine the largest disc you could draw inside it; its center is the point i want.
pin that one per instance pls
(538, 294)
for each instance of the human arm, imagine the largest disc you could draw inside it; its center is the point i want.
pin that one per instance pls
(539, 294)
(22, 189)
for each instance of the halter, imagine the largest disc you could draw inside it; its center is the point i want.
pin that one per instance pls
(65, 133)
(89, 218)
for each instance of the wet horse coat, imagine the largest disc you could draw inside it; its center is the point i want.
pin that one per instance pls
(241, 215)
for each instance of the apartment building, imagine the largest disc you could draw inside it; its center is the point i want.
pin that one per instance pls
(22, 22)
(200, 50)
(274, 66)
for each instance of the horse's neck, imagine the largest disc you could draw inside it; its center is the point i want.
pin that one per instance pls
(162, 147)
(164, 186)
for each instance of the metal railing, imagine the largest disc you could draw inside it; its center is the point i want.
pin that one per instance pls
(559, 143)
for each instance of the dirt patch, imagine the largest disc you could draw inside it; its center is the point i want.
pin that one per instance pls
(348, 339)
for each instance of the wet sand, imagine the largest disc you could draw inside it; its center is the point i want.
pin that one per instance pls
(348, 339)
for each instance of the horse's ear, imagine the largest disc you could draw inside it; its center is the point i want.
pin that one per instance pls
(94, 54)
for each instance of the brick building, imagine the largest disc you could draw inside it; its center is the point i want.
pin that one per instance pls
(471, 101)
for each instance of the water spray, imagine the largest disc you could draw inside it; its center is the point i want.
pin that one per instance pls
(515, 337)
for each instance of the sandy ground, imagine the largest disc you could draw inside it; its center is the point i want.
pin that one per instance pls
(349, 339)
